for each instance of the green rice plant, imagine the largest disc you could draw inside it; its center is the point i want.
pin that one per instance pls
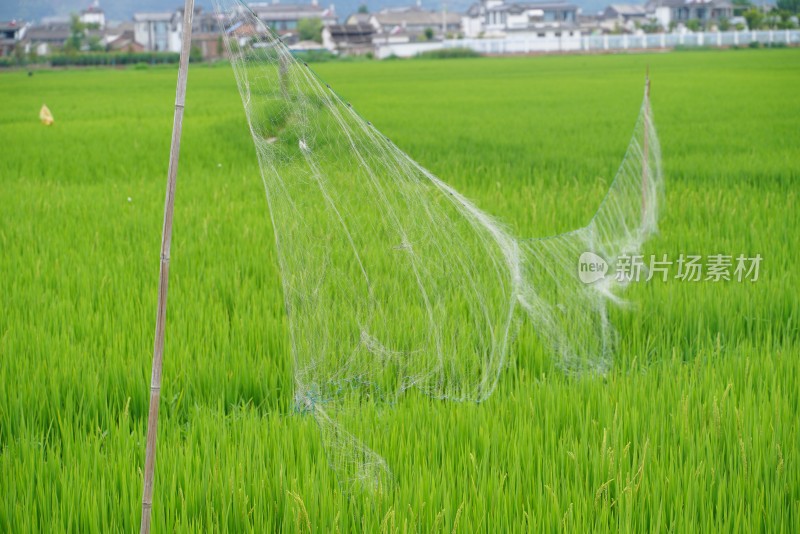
(694, 429)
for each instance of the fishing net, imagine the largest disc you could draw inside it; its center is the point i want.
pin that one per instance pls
(393, 280)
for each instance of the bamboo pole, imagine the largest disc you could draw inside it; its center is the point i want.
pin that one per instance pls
(163, 279)
(646, 160)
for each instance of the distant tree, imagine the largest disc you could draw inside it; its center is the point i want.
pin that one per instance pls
(310, 30)
(19, 54)
(363, 9)
(693, 25)
(428, 34)
(792, 6)
(94, 44)
(785, 21)
(724, 24)
(754, 18)
(220, 46)
(195, 54)
(77, 33)
(652, 26)
(740, 6)
(779, 19)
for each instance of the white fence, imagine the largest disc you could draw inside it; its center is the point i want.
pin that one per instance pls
(531, 43)
(672, 40)
(382, 51)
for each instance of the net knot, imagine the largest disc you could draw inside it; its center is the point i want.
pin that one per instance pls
(305, 401)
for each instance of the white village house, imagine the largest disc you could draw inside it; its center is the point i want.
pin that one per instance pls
(682, 11)
(11, 33)
(497, 18)
(284, 18)
(162, 32)
(93, 16)
(158, 32)
(411, 23)
(623, 14)
(350, 39)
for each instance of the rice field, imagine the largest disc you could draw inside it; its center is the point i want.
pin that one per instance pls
(694, 429)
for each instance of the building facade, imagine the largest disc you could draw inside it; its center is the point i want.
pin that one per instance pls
(669, 12)
(497, 18)
(284, 18)
(11, 33)
(158, 32)
(350, 39)
(414, 22)
(93, 16)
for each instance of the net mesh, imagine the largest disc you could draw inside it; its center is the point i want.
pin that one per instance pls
(392, 279)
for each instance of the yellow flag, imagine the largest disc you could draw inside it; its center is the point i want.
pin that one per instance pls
(45, 116)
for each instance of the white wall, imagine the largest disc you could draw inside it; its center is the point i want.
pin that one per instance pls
(94, 17)
(175, 37)
(472, 27)
(521, 43)
(140, 33)
(532, 43)
(517, 21)
(663, 16)
(382, 51)
(525, 43)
